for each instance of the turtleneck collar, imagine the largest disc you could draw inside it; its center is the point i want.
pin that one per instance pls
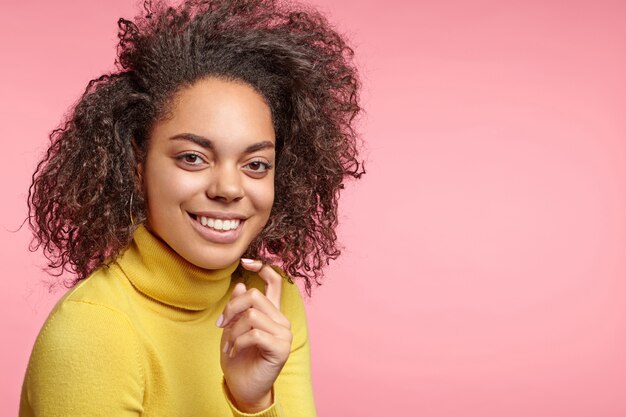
(162, 274)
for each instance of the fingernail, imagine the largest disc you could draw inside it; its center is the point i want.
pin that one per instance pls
(219, 321)
(247, 261)
(226, 347)
(232, 352)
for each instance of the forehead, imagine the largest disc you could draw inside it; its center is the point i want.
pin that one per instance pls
(222, 110)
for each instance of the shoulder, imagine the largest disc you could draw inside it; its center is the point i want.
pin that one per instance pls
(82, 333)
(106, 286)
(86, 357)
(79, 317)
(84, 348)
(86, 328)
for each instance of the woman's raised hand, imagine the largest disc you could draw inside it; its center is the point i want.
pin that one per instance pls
(256, 340)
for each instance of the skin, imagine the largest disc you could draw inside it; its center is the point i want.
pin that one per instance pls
(182, 177)
(214, 155)
(256, 340)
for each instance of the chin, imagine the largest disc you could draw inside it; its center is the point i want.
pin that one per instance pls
(216, 260)
(210, 264)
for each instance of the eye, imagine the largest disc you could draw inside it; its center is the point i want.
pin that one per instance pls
(257, 168)
(192, 159)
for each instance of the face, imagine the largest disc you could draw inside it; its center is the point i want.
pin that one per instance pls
(208, 176)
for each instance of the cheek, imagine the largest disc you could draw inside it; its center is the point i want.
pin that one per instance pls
(262, 195)
(167, 190)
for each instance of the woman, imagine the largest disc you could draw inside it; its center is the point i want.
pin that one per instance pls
(217, 149)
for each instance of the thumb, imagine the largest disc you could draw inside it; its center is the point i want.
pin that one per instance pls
(273, 281)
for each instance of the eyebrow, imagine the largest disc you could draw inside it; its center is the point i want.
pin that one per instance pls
(206, 143)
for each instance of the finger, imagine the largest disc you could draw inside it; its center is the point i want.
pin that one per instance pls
(240, 288)
(252, 298)
(274, 349)
(273, 280)
(254, 319)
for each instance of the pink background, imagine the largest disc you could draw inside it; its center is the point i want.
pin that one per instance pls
(484, 266)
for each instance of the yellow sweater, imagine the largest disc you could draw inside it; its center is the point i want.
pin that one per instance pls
(139, 339)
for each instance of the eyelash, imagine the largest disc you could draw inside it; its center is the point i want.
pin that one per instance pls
(267, 166)
(185, 155)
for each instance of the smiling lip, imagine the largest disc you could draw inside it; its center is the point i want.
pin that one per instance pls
(218, 215)
(213, 235)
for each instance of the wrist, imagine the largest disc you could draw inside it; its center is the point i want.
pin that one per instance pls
(251, 408)
(248, 407)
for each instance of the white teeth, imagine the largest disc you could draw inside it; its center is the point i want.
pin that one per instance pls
(219, 224)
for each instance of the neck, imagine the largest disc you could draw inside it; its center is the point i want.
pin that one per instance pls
(162, 274)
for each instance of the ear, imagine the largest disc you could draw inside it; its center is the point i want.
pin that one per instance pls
(139, 172)
(139, 168)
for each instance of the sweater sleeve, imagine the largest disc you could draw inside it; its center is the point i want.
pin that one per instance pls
(293, 393)
(85, 362)
(293, 387)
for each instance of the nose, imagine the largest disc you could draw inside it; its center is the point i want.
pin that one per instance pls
(225, 184)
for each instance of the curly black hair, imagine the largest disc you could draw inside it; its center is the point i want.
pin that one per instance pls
(86, 198)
